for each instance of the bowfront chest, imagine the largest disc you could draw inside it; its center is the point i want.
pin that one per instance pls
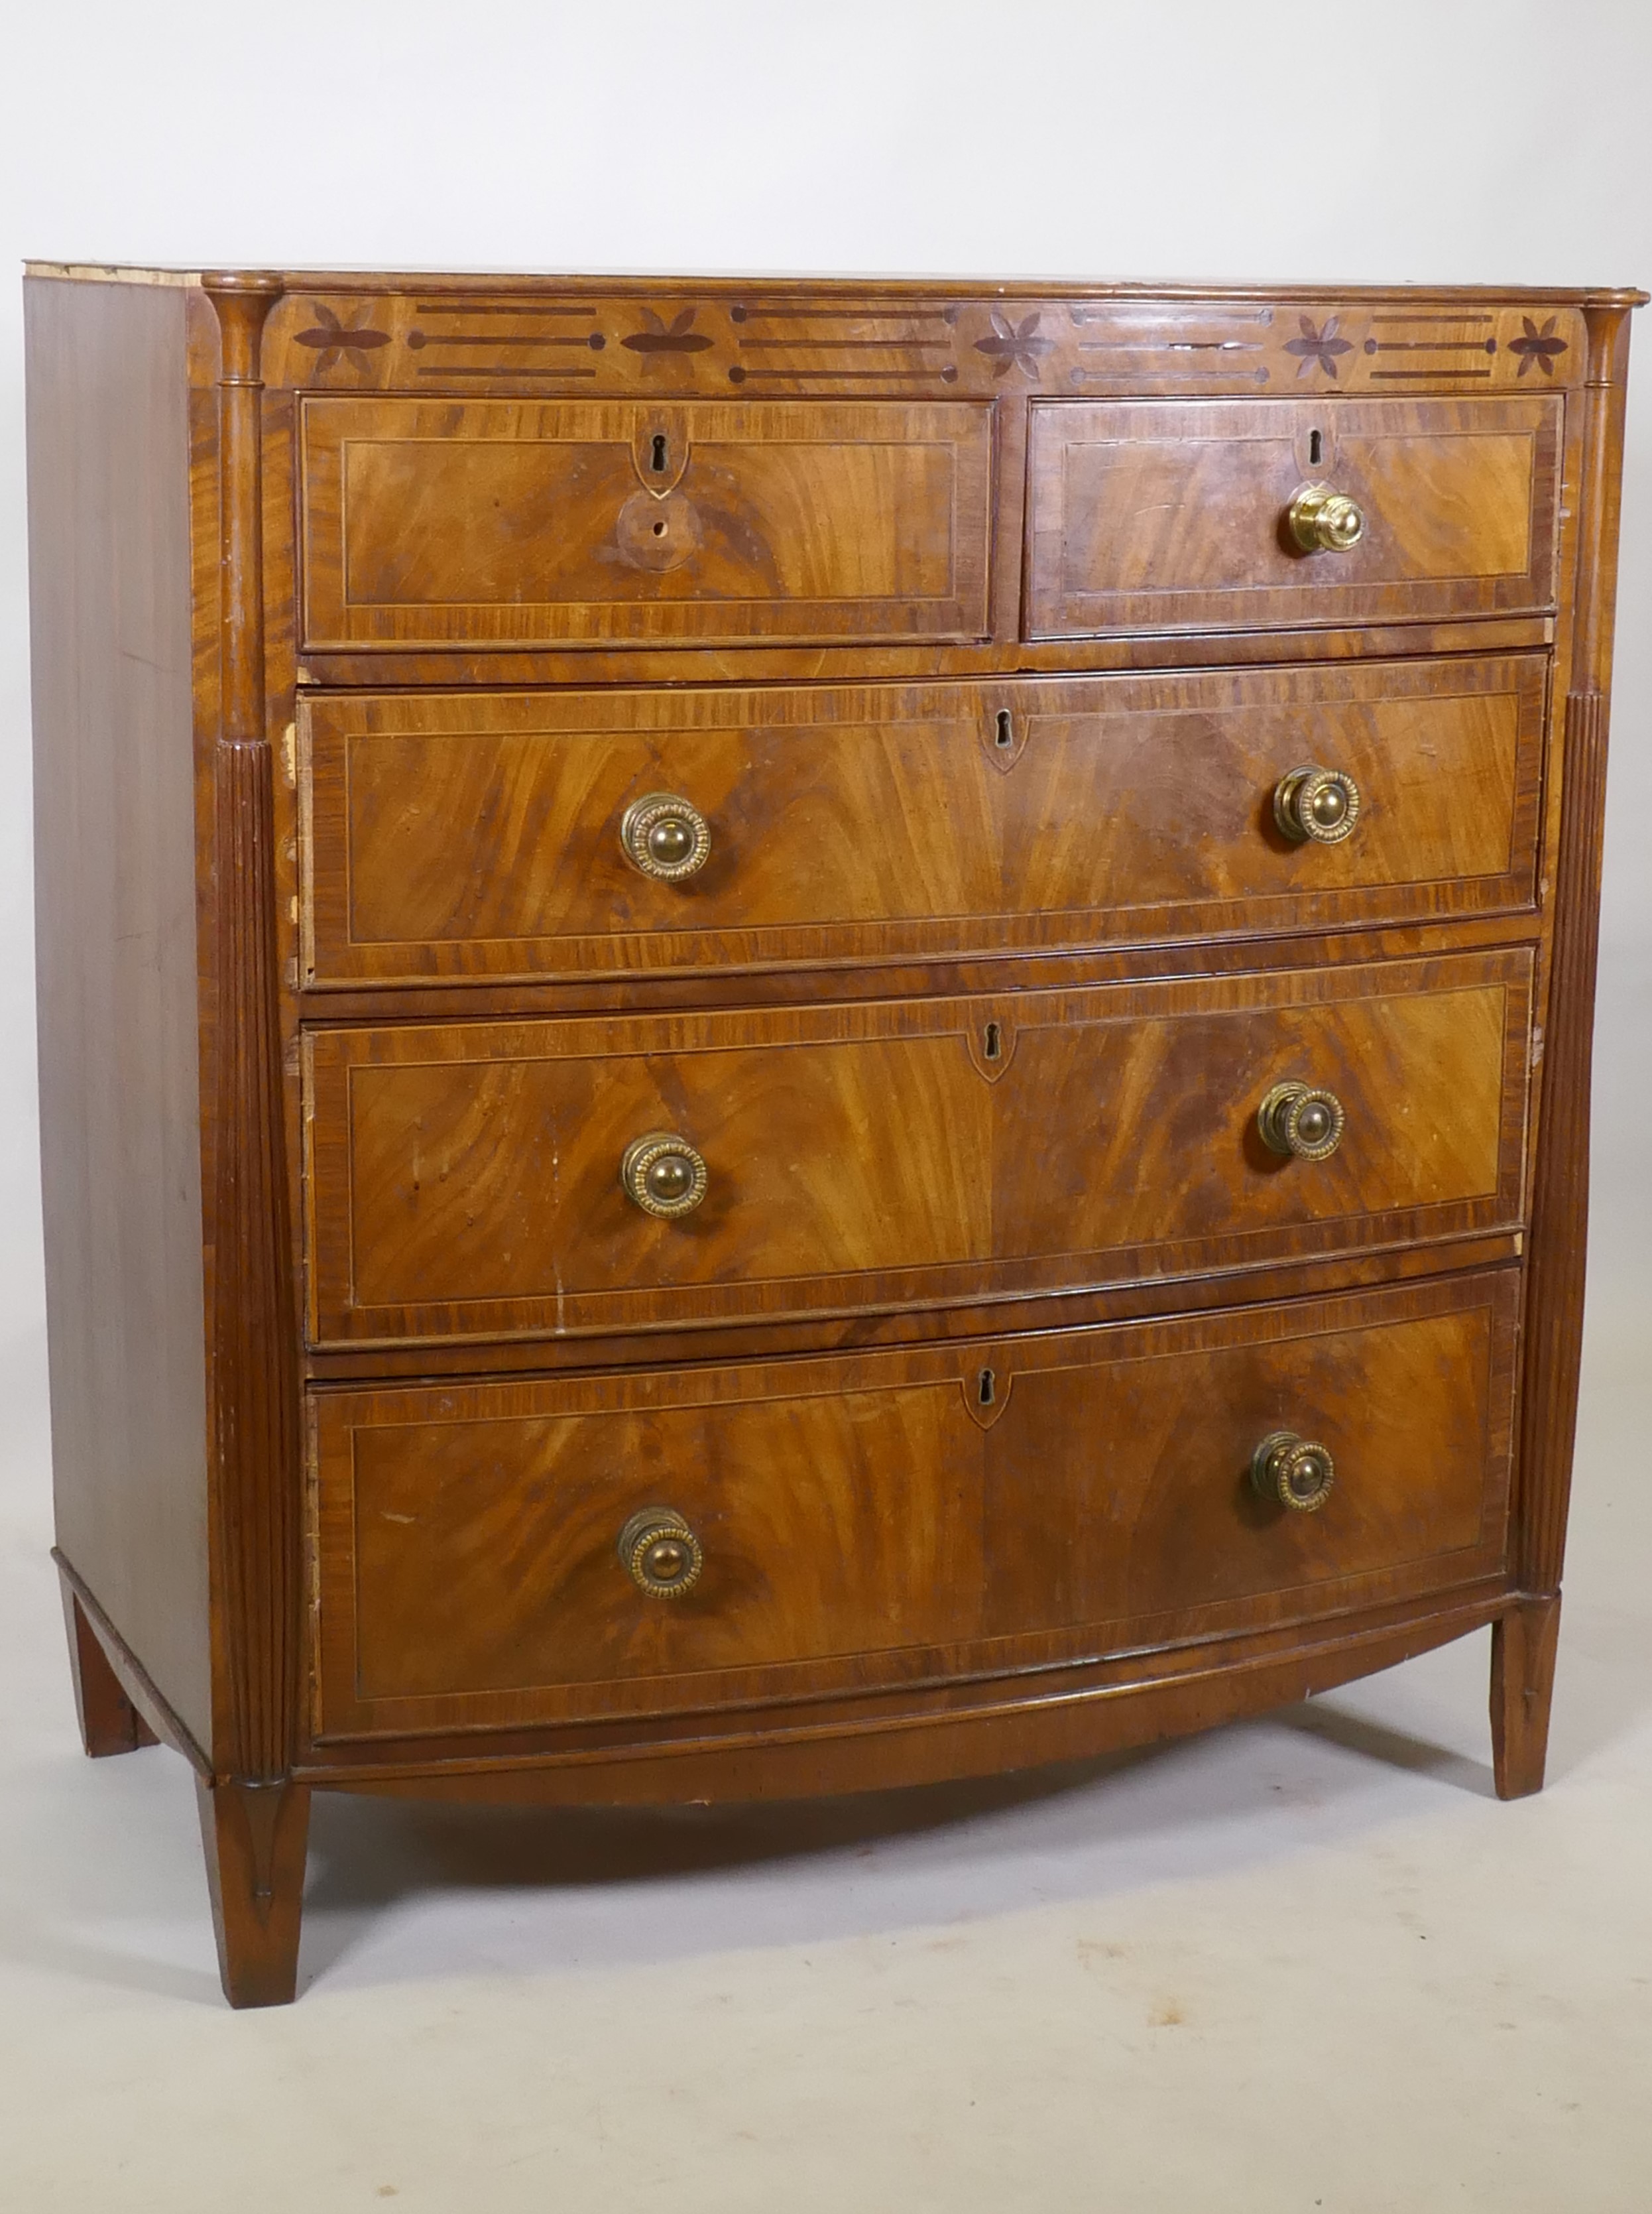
(800, 1036)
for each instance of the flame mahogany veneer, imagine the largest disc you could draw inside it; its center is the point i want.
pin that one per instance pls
(401, 1444)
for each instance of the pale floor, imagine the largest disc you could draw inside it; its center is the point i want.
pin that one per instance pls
(1308, 1963)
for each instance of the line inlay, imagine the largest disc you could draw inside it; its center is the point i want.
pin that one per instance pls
(740, 375)
(452, 369)
(845, 345)
(1234, 375)
(420, 339)
(492, 307)
(1430, 345)
(837, 315)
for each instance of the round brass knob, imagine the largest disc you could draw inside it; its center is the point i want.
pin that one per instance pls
(1292, 1472)
(664, 837)
(663, 1174)
(1302, 1119)
(661, 1554)
(1321, 803)
(1325, 521)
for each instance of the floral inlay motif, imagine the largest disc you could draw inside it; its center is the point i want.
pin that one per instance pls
(658, 339)
(1320, 346)
(334, 341)
(1015, 346)
(1540, 346)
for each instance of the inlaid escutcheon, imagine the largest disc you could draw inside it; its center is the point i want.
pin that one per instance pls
(465, 1177)
(484, 834)
(849, 1523)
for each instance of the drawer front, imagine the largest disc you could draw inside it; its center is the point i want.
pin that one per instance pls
(884, 1519)
(465, 1179)
(562, 523)
(481, 835)
(1157, 515)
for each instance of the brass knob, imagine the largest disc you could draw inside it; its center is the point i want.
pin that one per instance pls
(1321, 803)
(1325, 521)
(661, 1554)
(663, 1174)
(1302, 1119)
(664, 837)
(1292, 1472)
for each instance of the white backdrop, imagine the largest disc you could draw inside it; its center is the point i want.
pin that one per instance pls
(1449, 140)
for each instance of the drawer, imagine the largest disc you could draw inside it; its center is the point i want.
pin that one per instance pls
(465, 1179)
(542, 523)
(1150, 515)
(483, 836)
(892, 1517)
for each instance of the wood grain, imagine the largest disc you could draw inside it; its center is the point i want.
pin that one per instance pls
(255, 1836)
(464, 1179)
(870, 1520)
(1148, 514)
(687, 336)
(1290, 1277)
(253, 1495)
(109, 1721)
(465, 836)
(115, 947)
(512, 669)
(1524, 1643)
(477, 522)
(958, 1369)
(1560, 1209)
(869, 1744)
(1560, 1199)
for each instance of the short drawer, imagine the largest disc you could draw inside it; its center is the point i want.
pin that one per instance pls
(466, 1179)
(544, 523)
(886, 1519)
(1148, 515)
(485, 835)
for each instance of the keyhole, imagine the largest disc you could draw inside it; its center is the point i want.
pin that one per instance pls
(991, 1043)
(989, 1387)
(1006, 735)
(659, 530)
(658, 463)
(1315, 450)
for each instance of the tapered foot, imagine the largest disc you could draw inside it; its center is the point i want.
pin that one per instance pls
(255, 1836)
(1522, 1684)
(109, 1723)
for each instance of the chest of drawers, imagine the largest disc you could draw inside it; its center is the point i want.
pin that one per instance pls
(798, 1035)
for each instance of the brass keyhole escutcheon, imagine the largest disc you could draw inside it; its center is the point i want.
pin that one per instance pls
(665, 837)
(663, 1174)
(662, 1556)
(1291, 1471)
(1317, 805)
(1302, 1119)
(1325, 521)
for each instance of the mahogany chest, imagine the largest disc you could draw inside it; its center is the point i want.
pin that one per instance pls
(797, 1036)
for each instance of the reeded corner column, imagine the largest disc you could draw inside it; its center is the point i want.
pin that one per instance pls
(252, 1817)
(1523, 1643)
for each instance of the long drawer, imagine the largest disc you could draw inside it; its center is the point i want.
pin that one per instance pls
(885, 1519)
(560, 522)
(455, 836)
(1154, 514)
(478, 1179)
